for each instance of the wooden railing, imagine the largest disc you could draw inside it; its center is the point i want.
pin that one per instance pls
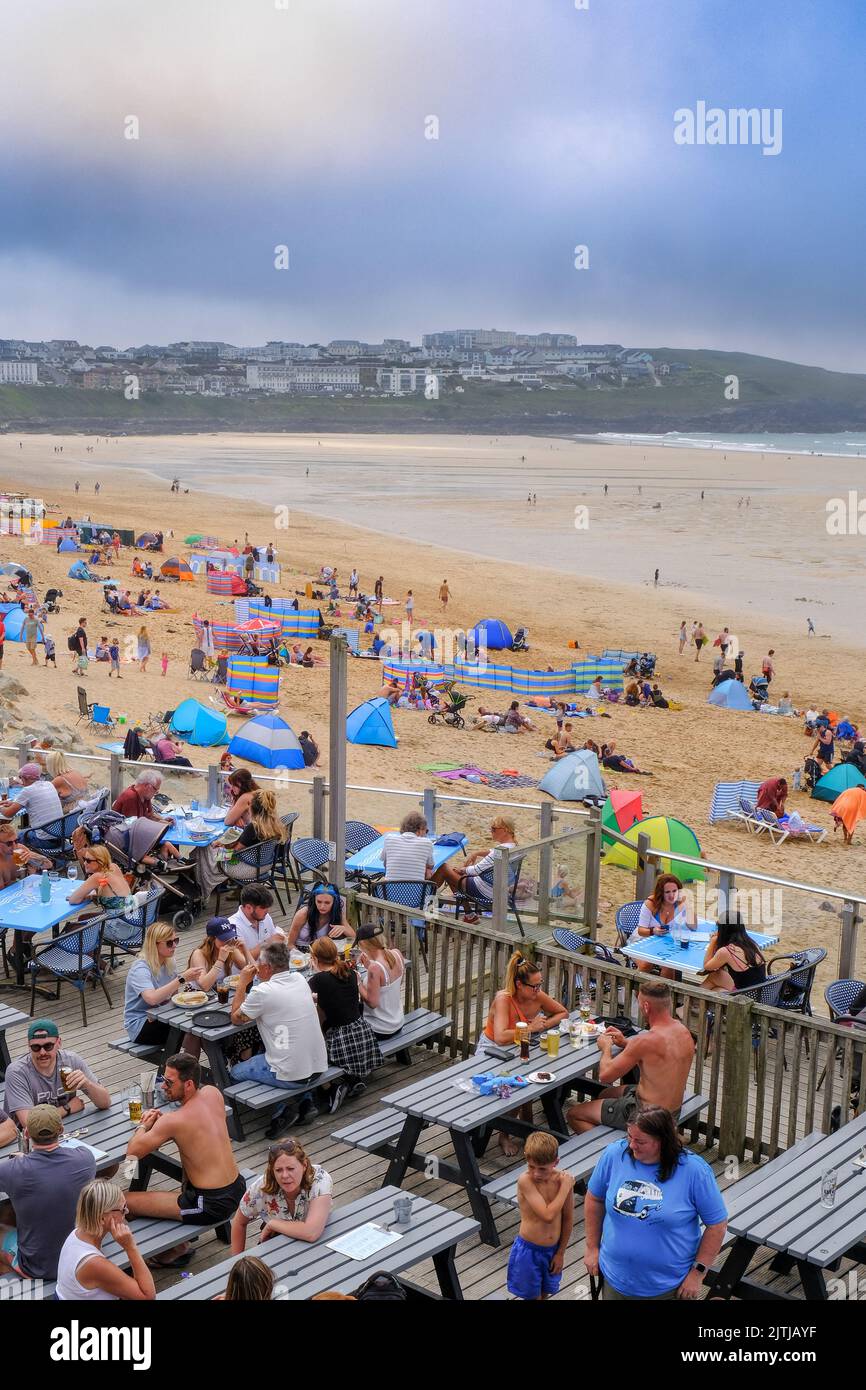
(771, 1076)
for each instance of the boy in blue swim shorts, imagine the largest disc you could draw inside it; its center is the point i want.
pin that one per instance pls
(545, 1196)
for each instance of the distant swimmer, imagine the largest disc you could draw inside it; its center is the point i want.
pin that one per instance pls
(702, 494)
(529, 499)
(307, 474)
(605, 489)
(77, 485)
(534, 499)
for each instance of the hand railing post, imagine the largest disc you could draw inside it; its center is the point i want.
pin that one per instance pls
(429, 806)
(500, 889)
(646, 871)
(848, 943)
(592, 872)
(727, 892)
(545, 863)
(214, 797)
(319, 793)
(115, 777)
(736, 1020)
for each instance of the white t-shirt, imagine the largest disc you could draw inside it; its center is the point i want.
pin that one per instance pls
(285, 1013)
(406, 856)
(254, 933)
(40, 801)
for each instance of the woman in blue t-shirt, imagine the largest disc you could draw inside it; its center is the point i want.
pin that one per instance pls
(646, 1203)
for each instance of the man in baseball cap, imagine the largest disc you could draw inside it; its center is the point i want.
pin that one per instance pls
(35, 1078)
(37, 797)
(43, 1187)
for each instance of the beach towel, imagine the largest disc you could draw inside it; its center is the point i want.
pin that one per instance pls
(438, 767)
(850, 807)
(497, 780)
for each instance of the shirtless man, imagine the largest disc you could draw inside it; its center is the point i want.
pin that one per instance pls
(213, 1187)
(663, 1053)
(561, 742)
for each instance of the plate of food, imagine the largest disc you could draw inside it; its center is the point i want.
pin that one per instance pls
(190, 999)
(541, 1078)
(232, 981)
(297, 961)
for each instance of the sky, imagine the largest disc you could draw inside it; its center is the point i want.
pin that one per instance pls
(304, 123)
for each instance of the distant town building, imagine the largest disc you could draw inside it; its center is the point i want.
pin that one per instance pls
(18, 373)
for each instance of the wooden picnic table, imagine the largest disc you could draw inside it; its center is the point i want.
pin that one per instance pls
(779, 1205)
(110, 1131)
(8, 1019)
(303, 1269)
(441, 1099)
(183, 1020)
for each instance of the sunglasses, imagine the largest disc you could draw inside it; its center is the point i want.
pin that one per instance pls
(43, 1046)
(171, 941)
(288, 1147)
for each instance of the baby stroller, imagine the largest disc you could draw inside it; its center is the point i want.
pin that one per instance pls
(520, 643)
(647, 664)
(452, 703)
(131, 844)
(759, 686)
(50, 600)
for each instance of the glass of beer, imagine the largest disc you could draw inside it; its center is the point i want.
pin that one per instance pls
(553, 1043)
(134, 1103)
(65, 1073)
(543, 1039)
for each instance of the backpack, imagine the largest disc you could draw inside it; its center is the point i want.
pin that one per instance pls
(381, 1287)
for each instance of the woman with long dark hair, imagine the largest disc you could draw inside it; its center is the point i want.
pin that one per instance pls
(323, 915)
(646, 1203)
(666, 907)
(733, 961)
(350, 1040)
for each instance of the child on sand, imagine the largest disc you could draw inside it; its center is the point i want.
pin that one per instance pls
(545, 1196)
(163, 661)
(114, 658)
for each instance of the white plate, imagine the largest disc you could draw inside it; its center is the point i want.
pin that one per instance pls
(181, 1003)
(541, 1078)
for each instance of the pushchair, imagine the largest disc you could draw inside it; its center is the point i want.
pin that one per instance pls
(519, 642)
(50, 600)
(759, 686)
(452, 703)
(131, 845)
(647, 664)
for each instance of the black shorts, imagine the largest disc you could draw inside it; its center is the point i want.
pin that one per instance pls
(199, 1206)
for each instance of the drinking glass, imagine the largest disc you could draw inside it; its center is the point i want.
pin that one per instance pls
(829, 1179)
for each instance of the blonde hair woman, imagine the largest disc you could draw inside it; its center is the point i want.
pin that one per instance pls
(104, 882)
(152, 980)
(143, 647)
(264, 822)
(68, 782)
(83, 1272)
(381, 991)
(468, 879)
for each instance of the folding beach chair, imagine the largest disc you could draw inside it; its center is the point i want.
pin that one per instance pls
(197, 665)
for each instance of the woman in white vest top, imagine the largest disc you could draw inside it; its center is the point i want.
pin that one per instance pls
(83, 1272)
(382, 991)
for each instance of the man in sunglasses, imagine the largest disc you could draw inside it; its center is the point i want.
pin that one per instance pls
(35, 1078)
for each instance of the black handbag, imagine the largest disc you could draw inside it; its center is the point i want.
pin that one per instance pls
(382, 1287)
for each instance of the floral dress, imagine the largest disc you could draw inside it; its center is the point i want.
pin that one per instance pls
(257, 1205)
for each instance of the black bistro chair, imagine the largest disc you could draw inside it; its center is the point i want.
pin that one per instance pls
(407, 893)
(255, 864)
(75, 958)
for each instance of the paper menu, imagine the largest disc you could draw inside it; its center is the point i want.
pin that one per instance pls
(364, 1241)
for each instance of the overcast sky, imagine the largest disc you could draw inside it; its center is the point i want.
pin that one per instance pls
(305, 126)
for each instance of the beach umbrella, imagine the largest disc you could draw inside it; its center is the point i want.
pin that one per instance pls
(269, 741)
(839, 779)
(146, 538)
(199, 725)
(850, 807)
(493, 634)
(193, 540)
(262, 626)
(620, 812)
(11, 568)
(730, 695)
(371, 723)
(665, 833)
(576, 777)
(176, 569)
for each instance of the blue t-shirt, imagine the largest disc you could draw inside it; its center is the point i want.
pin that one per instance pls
(139, 977)
(652, 1229)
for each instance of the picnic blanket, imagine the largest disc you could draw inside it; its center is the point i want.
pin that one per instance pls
(498, 780)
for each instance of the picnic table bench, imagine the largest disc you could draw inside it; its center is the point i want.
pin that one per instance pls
(779, 1205)
(8, 1019)
(419, 1026)
(303, 1269)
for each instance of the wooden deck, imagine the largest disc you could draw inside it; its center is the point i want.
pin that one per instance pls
(481, 1269)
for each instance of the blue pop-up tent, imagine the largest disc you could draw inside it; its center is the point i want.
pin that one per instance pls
(200, 725)
(371, 723)
(730, 695)
(575, 777)
(493, 634)
(78, 570)
(14, 620)
(268, 741)
(66, 545)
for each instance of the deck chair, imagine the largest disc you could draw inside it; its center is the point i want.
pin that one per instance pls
(221, 672)
(100, 717)
(197, 665)
(84, 705)
(476, 903)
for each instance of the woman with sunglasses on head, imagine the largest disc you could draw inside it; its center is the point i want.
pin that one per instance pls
(84, 1274)
(152, 980)
(291, 1198)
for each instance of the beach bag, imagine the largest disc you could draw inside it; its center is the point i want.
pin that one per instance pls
(381, 1287)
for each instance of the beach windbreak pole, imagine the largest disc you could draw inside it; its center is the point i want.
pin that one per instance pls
(337, 761)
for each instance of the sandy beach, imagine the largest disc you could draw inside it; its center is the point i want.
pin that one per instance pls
(420, 510)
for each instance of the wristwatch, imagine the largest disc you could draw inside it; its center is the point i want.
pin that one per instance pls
(701, 1268)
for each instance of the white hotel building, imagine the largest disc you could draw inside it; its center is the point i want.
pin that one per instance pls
(15, 373)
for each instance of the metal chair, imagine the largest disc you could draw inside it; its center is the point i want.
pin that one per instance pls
(124, 934)
(311, 857)
(408, 893)
(285, 869)
(359, 835)
(74, 957)
(595, 950)
(790, 990)
(476, 902)
(262, 860)
(84, 705)
(197, 665)
(626, 922)
(53, 838)
(841, 995)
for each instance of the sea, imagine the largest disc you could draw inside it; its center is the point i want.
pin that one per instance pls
(844, 445)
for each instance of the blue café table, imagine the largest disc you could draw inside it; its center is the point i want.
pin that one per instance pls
(180, 837)
(368, 862)
(663, 950)
(22, 910)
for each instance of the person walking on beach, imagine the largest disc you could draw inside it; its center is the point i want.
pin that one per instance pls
(164, 662)
(444, 594)
(767, 668)
(656, 579)
(699, 640)
(96, 488)
(810, 628)
(77, 485)
(605, 489)
(353, 584)
(143, 653)
(683, 636)
(114, 658)
(410, 605)
(378, 590)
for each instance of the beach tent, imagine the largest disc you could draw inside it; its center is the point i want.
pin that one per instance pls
(146, 538)
(839, 779)
(176, 569)
(493, 634)
(268, 741)
(14, 622)
(219, 582)
(620, 812)
(371, 723)
(66, 546)
(198, 724)
(252, 680)
(11, 568)
(725, 804)
(730, 695)
(78, 570)
(576, 777)
(665, 833)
